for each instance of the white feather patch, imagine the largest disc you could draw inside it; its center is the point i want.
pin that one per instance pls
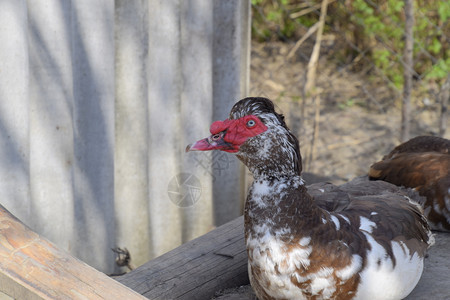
(336, 222)
(380, 280)
(367, 225)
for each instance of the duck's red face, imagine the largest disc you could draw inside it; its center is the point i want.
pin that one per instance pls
(229, 135)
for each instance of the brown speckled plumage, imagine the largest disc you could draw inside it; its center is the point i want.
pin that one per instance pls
(295, 217)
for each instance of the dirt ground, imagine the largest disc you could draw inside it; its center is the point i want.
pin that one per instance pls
(359, 117)
(358, 122)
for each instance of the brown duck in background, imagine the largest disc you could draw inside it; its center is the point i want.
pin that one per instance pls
(422, 163)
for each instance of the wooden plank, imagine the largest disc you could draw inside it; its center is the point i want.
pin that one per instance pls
(31, 267)
(197, 269)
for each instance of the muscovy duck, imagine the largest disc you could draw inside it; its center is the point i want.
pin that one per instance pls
(422, 163)
(371, 246)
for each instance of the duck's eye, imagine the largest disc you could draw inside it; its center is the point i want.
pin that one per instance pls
(251, 123)
(215, 137)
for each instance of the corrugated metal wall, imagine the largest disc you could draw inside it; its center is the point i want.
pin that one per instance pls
(98, 100)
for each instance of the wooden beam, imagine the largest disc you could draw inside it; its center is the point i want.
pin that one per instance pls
(31, 267)
(197, 269)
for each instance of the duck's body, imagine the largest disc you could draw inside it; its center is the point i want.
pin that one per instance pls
(422, 163)
(371, 242)
(370, 247)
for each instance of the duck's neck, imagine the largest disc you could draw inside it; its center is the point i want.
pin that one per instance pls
(280, 206)
(277, 199)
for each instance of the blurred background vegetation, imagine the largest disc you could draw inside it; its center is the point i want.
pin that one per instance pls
(368, 34)
(353, 115)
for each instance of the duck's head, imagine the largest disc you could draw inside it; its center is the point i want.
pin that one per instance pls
(258, 136)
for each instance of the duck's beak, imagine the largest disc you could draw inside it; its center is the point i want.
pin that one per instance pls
(213, 142)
